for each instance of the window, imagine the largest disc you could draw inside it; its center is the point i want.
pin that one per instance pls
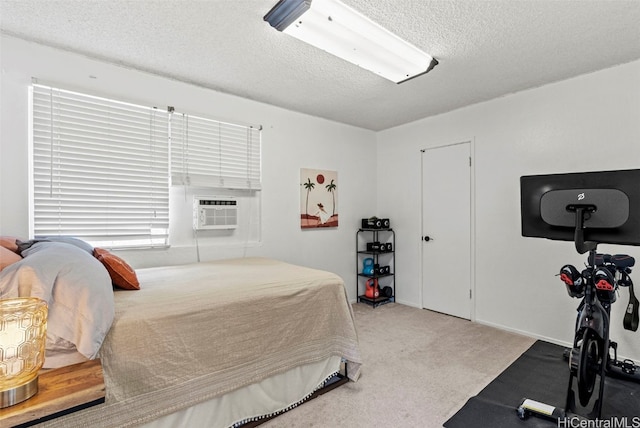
(209, 153)
(100, 169)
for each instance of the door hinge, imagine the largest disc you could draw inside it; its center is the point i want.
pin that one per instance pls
(469, 293)
(469, 160)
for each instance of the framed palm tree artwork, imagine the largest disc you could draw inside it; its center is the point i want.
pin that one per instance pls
(318, 198)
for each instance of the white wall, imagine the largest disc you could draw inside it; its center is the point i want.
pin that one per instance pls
(290, 141)
(587, 123)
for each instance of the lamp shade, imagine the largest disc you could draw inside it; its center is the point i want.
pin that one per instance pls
(23, 325)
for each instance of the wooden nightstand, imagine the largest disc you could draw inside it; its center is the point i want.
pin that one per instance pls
(60, 391)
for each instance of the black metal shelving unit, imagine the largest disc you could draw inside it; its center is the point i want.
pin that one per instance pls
(380, 258)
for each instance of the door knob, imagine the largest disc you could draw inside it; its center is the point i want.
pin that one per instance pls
(427, 238)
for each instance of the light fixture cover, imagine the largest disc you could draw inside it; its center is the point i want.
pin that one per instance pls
(340, 30)
(23, 325)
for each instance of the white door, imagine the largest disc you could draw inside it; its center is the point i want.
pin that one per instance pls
(446, 229)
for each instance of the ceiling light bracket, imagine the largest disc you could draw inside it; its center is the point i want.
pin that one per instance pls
(285, 12)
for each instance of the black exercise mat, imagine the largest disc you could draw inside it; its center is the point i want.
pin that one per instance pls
(541, 374)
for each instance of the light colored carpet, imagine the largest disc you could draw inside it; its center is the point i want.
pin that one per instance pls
(420, 367)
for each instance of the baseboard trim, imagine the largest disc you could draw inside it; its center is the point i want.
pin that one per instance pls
(406, 303)
(526, 333)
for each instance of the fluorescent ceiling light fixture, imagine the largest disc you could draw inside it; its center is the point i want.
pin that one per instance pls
(338, 29)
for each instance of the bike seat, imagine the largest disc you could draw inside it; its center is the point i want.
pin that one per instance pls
(622, 261)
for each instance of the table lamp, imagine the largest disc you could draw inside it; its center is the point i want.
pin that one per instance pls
(23, 326)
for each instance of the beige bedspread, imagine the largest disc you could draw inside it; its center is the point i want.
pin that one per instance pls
(197, 331)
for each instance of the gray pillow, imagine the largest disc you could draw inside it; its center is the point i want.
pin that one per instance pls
(25, 245)
(76, 286)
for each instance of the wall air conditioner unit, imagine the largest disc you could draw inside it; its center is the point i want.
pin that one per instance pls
(211, 212)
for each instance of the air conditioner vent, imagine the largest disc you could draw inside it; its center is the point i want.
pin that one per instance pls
(210, 212)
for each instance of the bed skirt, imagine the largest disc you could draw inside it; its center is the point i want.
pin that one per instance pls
(254, 402)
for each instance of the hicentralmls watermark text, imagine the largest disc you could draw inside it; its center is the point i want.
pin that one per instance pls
(615, 422)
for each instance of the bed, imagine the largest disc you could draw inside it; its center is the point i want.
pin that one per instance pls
(213, 344)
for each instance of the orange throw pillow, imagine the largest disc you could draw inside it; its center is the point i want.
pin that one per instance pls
(122, 275)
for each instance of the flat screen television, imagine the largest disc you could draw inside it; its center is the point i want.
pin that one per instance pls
(588, 208)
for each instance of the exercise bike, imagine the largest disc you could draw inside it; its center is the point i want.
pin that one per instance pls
(588, 208)
(590, 359)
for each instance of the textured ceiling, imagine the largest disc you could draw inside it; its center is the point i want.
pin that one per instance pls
(486, 49)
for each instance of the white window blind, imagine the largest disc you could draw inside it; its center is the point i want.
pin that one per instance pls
(100, 169)
(209, 153)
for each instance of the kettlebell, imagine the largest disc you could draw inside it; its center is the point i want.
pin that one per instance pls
(367, 266)
(372, 291)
